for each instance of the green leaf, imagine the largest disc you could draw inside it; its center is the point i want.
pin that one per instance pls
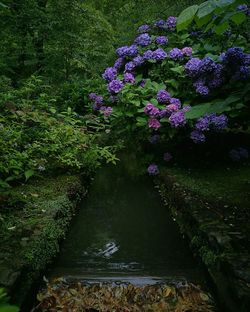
(205, 9)
(29, 173)
(198, 111)
(186, 17)
(221, 28)
(178, 69)
(238, 18)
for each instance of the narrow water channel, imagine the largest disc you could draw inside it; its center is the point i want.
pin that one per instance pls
(124, 232)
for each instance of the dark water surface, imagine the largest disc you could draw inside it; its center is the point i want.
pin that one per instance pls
(123, 230)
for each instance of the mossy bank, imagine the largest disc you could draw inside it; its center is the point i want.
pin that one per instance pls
(34, 219)
(213, 212)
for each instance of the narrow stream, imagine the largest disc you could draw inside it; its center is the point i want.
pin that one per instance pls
(124, 232)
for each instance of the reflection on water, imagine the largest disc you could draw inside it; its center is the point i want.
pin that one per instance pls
(123, 228)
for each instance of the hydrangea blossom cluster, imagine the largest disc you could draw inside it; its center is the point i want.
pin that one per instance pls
(161, 40)
(130, 51)
(106, 110)
(143, 29)
(129, 78)
(97, 99)
(163, 96)
(110, 74)
(206, 123)
(151, 110)
(143, 40)
(171, 23)
(238, 154)
(244, 8)
(207, 74)
(154, 123)
(115, 86)
(153, 169)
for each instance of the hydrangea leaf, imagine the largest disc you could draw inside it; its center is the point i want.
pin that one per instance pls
(238, 18)
(186, 17)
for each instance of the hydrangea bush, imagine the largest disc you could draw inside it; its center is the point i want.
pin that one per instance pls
(185, 76)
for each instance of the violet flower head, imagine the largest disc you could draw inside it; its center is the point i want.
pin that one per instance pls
(151, 110)
(154, 123)
(160, 24)
(119, 63)
(203, 124)
(161, 40)
(92, 96)
(171, 23)
(171, 108)
(176, 54)
(167, 156)
(109, 74)
(129, 66)
(159, 54)
(163, 113)
(242, 7)
(219, 122)
(143, 29)
(243, 73)
(99, 99)
(201, 88)
(163, 96)
(138, 60)
(148, 55)
(197, 136)
(234, 56)
(143, 40)
(154, 139)
(177, 119)
(153, 170)
(207, 65)
(130, 51)
(115, 86)
(187, 51)
(175, 101)
(129, 78)
(192, 67)
(106, 110)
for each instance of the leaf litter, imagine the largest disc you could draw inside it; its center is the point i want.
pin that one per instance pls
(107, 297)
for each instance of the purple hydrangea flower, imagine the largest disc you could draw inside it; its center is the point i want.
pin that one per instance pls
(171, 23)
(129, 78)
(151, 110)
(167, 156)
(115, 86)
(148, 55)
(175, 101)
(164, 113)
(177, 119)
(207, 65)
(201, 88)
(119, 63)
(163, 96)
(198, 136)
(160, 24)
(143, 29)
(203, 123)
(92, 96)
(154, 139)
(131, 51)
(161, 40)
(138, 60)
(187, 51)
(97, 106)
(129, 66)
(171, 108)
(153, 170)
(234, 56)
(175, 54)
(192, 67)
(242, 73)
(159, 54)
(142, 83)
(106, 110)
(219, 122)
(109, 74)
(242, 7)
(154, 123)
(247, 59)
(143, 40)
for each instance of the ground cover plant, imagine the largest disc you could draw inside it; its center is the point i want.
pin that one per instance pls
(183, 79)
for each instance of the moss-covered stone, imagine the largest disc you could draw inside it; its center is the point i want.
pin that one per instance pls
(32, 227)
(218, 232)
